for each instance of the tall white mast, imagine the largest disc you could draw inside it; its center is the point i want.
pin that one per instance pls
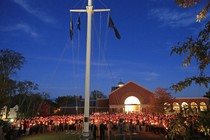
(90, 11)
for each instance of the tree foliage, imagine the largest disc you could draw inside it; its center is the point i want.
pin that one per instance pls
(26, 87)
(10, 63)
(47, 108)
(195, 49)
(207, 95)
(186, 3)
(162, 100)
(21, 93)
(66, 100)
(96, 94)
(31, 104)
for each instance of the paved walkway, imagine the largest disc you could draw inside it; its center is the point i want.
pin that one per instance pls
(137, 136)
(133, 136)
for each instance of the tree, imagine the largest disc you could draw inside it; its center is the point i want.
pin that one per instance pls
(10, 62)
(207, 94)
(47, 108)
(23, 88)
(187, 3)
(26, 87)
(96, 94)
(65, 100)
(195, 49)
(163, 100)
(33, 103)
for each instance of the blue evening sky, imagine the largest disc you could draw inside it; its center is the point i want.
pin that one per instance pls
(39, 30)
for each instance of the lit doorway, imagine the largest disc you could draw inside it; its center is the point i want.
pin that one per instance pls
(132, 105)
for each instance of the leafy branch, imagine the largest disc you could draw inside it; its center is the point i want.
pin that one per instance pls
(199, 50)
(188, 3)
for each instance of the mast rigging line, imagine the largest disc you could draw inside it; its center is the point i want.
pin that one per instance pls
(98, 43)
(89, 10)
(76, 53)
(75, 61)
(103, 3)
(83, 5)
(101, 48)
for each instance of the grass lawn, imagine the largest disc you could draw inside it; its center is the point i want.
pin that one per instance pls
(52, 136)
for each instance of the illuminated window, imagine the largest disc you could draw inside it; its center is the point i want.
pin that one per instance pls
(193, 105)
(203, 106)
(167, 106)
(132, 100)
(132, 104)
(176, 107)
(184, 105)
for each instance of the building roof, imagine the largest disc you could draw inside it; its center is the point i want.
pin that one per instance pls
(127, 86)
(119, 95)
(120, 83)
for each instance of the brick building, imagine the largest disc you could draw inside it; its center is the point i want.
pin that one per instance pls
(131, 97)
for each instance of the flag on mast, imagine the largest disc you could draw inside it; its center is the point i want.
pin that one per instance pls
(71, 28)
(111, 24)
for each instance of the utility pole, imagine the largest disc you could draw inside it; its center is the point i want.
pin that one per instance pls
(90, 11)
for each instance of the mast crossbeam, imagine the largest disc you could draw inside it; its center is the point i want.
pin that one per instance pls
(84, 10)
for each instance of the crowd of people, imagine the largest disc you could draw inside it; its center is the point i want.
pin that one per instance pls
(167, 125)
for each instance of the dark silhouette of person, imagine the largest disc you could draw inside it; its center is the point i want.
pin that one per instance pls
(102, 131)
(94, 129)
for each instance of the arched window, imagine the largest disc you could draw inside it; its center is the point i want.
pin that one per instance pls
(132, 100)
(176, 107)
(167, 107)
(184, 105)
(132, 104)
(194, 106)
(203, 106)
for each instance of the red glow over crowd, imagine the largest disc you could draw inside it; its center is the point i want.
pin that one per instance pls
(121, 122)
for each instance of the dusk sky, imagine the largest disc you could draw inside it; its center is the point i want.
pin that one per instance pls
(39, 30)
